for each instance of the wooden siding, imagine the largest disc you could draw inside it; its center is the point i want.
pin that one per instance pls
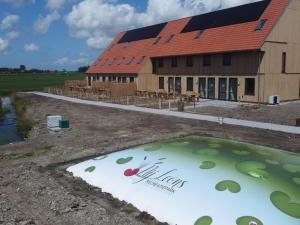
(285, 37)
(242, 63)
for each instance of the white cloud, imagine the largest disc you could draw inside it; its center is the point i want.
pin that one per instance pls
(62, 61)
(4, 44)
(18, 2)
(98, 21)
(13, 35)
(9, 21)
(41, 26)
(55, 4)
(82, 59)
(31, 47)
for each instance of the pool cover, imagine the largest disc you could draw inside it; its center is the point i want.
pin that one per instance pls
(202, 181)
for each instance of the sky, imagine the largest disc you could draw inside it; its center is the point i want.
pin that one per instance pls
(67, 34)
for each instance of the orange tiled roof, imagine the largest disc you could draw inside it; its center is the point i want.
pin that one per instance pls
(236, 37)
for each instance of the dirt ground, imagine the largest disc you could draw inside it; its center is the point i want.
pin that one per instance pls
(285, 114)
(34, 188)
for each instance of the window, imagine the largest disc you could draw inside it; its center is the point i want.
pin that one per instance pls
(131, 79)
(198, 34)
(114, 78)
(119, 79)
(124, 80)
(283, 62)
(156, 41)
(227, 60)
(113, 61)
(170, 38)
(141, 59)
(130, 60)
(160, 62)
(161, 81)
(206, 60)
(250, 86)
(189, 84)
(174, 61)
(121, 61)
(106, 60)
(190, 61)
(261, 24)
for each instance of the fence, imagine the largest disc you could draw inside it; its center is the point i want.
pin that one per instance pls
(149, 101)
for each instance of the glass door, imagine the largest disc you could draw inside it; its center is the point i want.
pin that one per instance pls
(202, 87)
(171, 84)
(222, 88)
(211, 88)
(233, 87)
(178, 85)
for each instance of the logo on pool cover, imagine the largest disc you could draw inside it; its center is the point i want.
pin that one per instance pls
(153, 174)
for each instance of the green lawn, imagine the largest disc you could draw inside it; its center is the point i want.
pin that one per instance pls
(35, 82)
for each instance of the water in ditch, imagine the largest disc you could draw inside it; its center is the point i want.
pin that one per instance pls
(8, 131)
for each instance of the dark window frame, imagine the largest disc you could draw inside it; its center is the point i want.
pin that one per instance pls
(131, 79)
(170, 38)
(131, 60)
(174, 61)
(227, 59)
(161, 83)
(261, 24)
(207, 60)
(160, 62)
(157, 40)
(190, 61)
(283, 65)
(250, 87)
(189, 84)
(141, 59)
(199, 34)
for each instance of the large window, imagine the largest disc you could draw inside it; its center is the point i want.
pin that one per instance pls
(160, 62)
(189, 84)
(206, 60)
(174, 61)
(161, 82)
(250, 86)
(227, 59)
(190, 61)
(283, 62)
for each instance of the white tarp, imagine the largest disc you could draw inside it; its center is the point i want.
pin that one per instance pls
(202, 181)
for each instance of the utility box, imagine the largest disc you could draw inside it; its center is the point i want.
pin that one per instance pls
(53, 121)
(64, 124)
(274, 100)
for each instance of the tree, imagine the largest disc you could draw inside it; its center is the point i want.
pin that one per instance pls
(83, 69)
(22, 68)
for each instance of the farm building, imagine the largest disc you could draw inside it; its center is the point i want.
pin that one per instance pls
(245, 53)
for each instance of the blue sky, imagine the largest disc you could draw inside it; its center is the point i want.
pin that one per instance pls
(66, 34)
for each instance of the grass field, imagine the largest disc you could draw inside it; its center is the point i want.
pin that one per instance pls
(34, 82)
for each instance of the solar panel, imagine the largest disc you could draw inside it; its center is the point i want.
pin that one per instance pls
(142, 33)
(240, 14)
